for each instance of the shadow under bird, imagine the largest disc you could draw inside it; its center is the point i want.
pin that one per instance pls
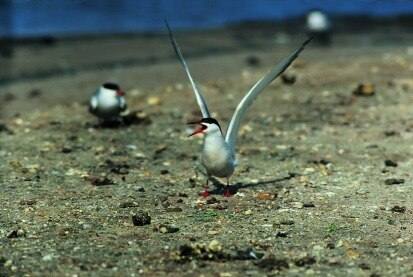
(218, 154)
(108, 102)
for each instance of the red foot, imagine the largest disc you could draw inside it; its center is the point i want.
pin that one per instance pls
(204, 194)
(227, 193)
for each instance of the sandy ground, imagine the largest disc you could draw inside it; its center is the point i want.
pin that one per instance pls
(324, 185)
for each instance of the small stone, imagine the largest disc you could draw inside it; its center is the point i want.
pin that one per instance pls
(173, 209)
(271, 263)
(136, 118)
(167, 229)
(140, 189)
(287, 222)
(214, 246)
(253, 61)
(128, 204)
(248, 212)
(154, 101)
(297, 205)
(393, 181)
(8, 263)
(305, 261)
(282, 234)
(160, 148)
(352, 254)
(390, 133)
(364, 90)
(28, 202)
(398, 209)
(141, 218)
(47, 258)
(34, 93)
(390, 163)
(100, 181)
(66, 149)
(288, 78)
(364, 266)
(212, 200)
(265, 196)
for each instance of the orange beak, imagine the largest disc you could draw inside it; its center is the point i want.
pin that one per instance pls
(119, 92)
(200, 130)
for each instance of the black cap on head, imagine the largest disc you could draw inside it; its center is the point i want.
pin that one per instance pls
(211, 120)
(111, 86)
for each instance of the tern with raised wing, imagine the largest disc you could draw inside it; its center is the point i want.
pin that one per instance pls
(218, 154)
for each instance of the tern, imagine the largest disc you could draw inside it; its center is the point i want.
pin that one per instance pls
(218, 154)
(108, 102)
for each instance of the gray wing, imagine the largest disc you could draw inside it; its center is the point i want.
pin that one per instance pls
(232, 132)
(93, 102)
(201, 102)
(122, 104)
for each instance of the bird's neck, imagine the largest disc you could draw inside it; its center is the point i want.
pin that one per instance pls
(215, 141)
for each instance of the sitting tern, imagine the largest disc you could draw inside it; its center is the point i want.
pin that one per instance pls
(108, 102)
(218, 154)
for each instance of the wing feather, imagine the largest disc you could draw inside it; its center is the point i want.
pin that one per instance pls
(232, 132)
(201, 102)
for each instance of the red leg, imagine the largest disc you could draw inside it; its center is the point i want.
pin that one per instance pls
(205, 193)
(227, 193)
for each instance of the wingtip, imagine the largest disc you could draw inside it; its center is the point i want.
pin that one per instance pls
(167, 25)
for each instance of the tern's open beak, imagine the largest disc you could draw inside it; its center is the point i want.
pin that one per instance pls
(199, 131)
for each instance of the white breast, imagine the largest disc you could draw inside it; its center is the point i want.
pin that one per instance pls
(216, 157)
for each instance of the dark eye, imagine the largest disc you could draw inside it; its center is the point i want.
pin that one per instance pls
(203, 127)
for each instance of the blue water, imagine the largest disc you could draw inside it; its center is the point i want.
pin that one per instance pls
(66, 17)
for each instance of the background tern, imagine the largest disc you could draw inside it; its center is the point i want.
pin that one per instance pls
(108, 102)
(218, 154)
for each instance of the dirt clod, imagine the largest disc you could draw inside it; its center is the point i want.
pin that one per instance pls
(141, 218)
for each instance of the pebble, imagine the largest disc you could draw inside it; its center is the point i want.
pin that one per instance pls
(136, 118)
(265, 196)
(214, 246)
(34, 93)
(393, 181)
(248, 212)
(305, 261)
(100, 181)
(168, 229)
(288, 78)
(47, 258)
(173, 209)
(141, 218)
(390, 163)
(253, 61)
(66, 149)
(271, 263)
(160, 148)
(398, 209)
(297, 205)
(364, 90)
(128, 204)
(16, 234)
(154, 101)
(282, 234)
